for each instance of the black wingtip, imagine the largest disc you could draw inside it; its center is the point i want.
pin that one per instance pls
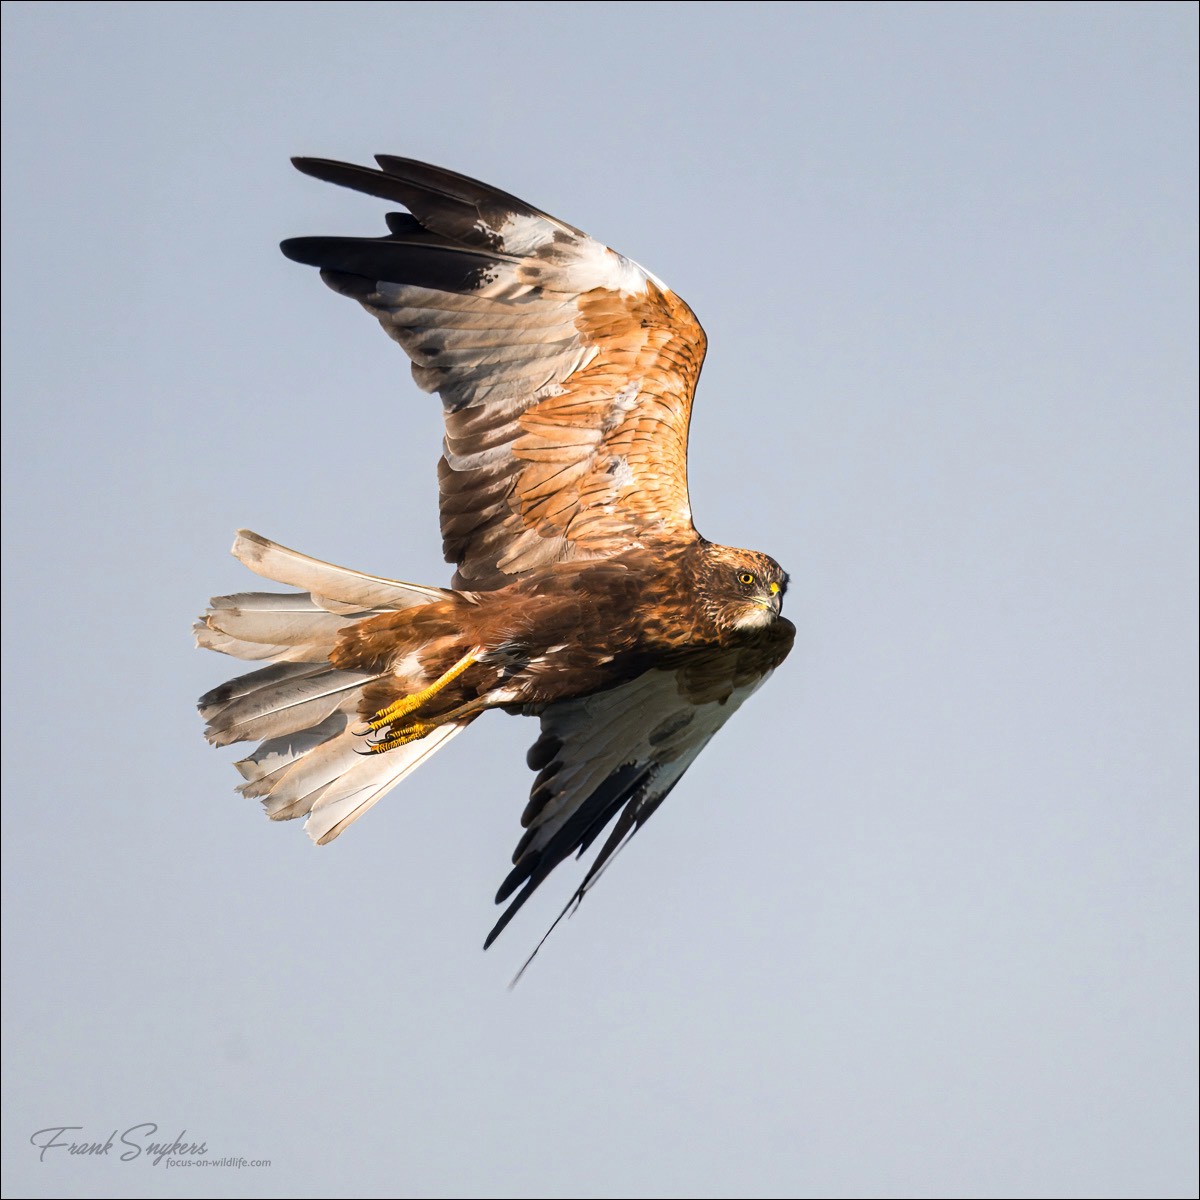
(569, 909)
(294, 248)
(443, 267)
(507, 915)
(322, 168)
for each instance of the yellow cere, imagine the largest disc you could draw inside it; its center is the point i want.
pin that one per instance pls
(774, 589)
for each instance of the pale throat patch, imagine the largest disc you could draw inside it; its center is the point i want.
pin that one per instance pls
(755, 617)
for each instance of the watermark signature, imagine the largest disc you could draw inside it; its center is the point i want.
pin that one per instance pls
(138, 1142)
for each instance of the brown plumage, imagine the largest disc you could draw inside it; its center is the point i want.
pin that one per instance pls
(582, 594)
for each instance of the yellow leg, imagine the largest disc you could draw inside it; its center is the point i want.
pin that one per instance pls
(470, 709)
(409, 704)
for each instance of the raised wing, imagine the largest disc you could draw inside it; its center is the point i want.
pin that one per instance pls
(566, 371)
(618, 754)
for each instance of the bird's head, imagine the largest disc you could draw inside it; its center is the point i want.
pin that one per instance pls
(742, 589)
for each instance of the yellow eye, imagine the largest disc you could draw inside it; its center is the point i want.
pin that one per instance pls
(746, 578)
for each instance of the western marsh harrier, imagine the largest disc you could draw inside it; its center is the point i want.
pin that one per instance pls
(583, 594)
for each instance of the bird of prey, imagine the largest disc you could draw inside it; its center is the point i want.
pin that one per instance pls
(582, 595)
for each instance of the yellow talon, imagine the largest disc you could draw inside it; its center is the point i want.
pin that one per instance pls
(410, 733)
(408, 704)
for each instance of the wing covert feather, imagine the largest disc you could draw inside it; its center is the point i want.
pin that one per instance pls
(617, 754)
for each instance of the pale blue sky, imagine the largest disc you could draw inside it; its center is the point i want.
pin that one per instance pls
(920, 922)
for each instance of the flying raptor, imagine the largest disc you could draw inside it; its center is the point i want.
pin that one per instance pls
(582, 595)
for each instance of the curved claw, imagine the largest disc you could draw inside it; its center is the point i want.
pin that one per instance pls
(409, 733)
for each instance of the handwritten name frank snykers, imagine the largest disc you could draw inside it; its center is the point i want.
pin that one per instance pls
(136, 1141)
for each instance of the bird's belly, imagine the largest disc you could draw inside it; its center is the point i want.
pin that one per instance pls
(566, 670)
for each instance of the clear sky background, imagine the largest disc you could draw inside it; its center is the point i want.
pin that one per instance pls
(920, 922)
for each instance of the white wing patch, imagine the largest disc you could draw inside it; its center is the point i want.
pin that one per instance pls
(520, 233)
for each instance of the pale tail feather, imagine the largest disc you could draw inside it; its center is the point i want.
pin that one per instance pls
(299, 626)
(284, 626)
(289, 618)
(208, 638)
(262, 769)
(255, 681)
(368, 781)
(313, 758)
(286, 702)
(331, 587)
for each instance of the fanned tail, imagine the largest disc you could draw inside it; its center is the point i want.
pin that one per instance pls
(312, 759)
